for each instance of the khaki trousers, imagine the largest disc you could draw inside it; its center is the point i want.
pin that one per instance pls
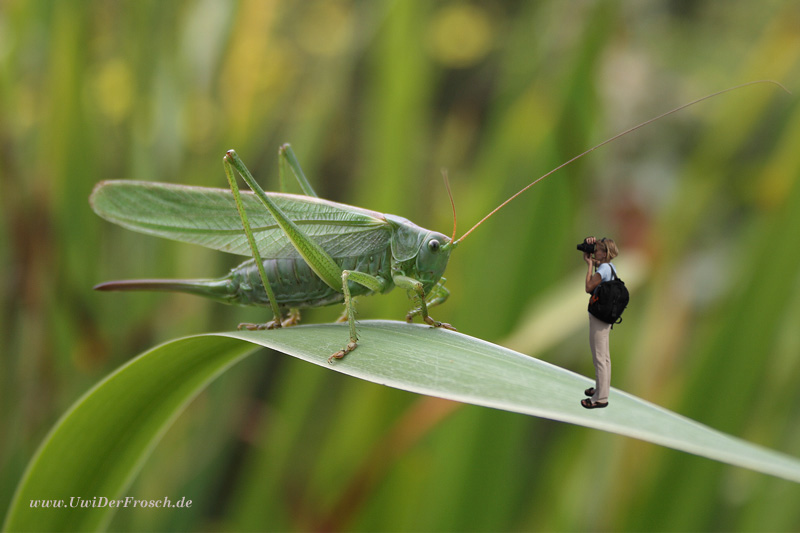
(601, 357)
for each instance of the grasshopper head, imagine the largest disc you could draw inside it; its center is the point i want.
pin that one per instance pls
(432, 256)
(422, 253)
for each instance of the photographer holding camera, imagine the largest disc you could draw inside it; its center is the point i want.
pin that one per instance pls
(600, 270)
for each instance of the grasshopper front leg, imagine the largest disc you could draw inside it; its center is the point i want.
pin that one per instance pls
(416, 289)
(437, 296)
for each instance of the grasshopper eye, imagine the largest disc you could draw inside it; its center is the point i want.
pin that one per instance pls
(433, 245)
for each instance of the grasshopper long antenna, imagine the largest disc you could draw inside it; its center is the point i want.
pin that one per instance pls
(452, 202)
(614, 138)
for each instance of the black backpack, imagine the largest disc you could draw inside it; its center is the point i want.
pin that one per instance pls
(609, 300)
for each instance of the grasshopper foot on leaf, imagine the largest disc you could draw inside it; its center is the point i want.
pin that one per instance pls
(341, 353)
(435, 323)
(272, 324)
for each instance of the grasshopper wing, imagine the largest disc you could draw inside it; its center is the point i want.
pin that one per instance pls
(208, 217)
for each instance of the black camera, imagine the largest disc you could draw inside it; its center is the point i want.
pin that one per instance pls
(586, 248)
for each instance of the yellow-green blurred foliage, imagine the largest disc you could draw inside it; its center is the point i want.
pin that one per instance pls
(376, 97)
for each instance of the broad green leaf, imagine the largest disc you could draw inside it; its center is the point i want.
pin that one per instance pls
(101, 443)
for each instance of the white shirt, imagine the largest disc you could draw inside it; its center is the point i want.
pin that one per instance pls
(605, 271)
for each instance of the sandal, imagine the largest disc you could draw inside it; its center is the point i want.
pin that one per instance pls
(589, 391)
(589, 404)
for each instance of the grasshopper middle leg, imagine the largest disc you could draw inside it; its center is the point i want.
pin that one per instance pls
(371, 282)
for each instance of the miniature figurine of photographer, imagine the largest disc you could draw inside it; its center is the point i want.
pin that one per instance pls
(600, 270)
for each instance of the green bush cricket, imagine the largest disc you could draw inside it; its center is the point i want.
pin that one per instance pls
(305, 251)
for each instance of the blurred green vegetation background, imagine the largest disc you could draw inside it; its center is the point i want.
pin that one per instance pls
(376, 97)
